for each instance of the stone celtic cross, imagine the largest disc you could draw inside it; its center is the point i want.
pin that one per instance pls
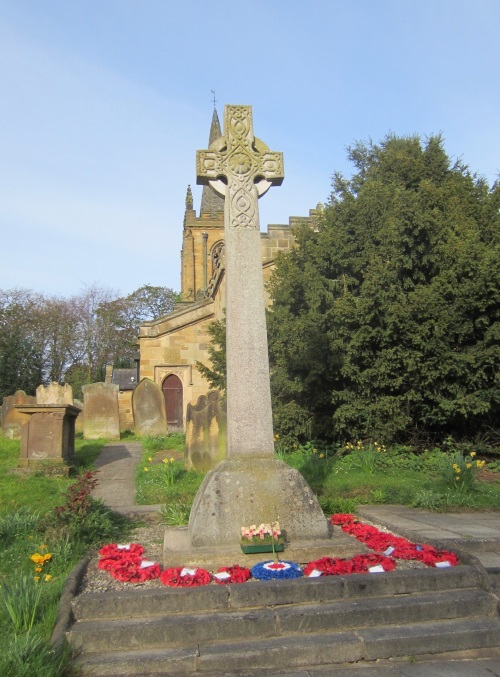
(242, 168)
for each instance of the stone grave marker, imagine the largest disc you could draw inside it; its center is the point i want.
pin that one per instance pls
(14, 419)
(148, 406)
(206, 432)
(79, 421)
(251, 486)
(54, 394)
(101, 418)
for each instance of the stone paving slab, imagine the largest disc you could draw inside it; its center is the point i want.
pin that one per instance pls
(475, 532)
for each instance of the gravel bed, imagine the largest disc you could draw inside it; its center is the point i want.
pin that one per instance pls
(151, 538)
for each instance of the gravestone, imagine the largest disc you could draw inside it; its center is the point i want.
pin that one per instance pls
(101, 418)
(206, 436)
(54, 394)
(14, 419)
(251, 486)
(148, 406)
(79, 420)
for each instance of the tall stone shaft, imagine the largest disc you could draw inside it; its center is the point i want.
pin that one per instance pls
(251, 485)
(242, 168)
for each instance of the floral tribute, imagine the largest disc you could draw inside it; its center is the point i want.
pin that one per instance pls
(262, 534)
(266, 571)
(234, 574)
(395, 546)
(184, 577)
(126, 564)
(359, 564)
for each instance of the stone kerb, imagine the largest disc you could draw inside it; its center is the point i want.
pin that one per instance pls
(13, 419)
(148, 406)
(101, 418)
(206, 432)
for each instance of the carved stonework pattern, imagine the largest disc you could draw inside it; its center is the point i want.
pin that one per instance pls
(240, 161)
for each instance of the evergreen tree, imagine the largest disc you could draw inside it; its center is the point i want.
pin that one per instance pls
(386, 318)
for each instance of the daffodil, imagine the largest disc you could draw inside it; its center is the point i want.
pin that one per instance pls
(47, 577)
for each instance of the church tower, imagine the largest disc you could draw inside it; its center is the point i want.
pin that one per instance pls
(203, 235)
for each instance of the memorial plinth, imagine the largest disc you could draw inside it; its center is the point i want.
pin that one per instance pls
(49, 435)
(251, 486)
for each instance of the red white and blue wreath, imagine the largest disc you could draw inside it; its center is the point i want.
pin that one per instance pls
(269, 570)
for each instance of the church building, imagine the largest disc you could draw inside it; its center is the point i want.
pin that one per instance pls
(171, 345)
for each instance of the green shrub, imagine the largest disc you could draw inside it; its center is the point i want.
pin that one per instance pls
(30, 655)
(176, 513)
(15, 524)
(459, 472)
(428, 500)
(331, 506)
(20, 599)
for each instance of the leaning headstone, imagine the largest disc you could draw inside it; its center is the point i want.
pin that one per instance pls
(206, 432)
(251, 486)
(148, 406)
(54, 394)
(13, 419)
(101, 418)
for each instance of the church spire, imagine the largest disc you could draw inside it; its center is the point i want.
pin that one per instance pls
(212, 202)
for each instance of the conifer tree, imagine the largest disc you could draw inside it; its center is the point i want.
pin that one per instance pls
(386, 317)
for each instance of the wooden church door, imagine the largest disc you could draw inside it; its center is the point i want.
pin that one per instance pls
(172, 393)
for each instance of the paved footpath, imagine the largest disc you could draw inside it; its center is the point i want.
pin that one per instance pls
(116, 479)
(476, 532)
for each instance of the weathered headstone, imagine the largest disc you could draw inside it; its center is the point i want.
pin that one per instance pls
(148, 407)
(13, 419)
(79, 421)
(54, 394)
(100, 411)
(206, 432)
(251, 486)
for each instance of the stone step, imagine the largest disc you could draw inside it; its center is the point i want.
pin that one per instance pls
(160, 601)
(293, 651)
(265, 622)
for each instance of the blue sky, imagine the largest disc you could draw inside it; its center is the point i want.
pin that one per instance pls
(105, 102)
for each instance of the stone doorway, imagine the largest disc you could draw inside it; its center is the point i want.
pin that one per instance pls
(172, 394)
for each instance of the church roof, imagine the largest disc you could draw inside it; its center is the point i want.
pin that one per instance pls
(125, 379)
(212, 202)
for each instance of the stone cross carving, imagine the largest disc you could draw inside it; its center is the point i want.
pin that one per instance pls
(242, 168)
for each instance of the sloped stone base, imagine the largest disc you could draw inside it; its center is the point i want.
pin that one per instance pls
(243, 492)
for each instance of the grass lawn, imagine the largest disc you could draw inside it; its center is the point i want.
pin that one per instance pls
(345, 478)
(39, 549)
(162, 478)
(342, 477)
(35, 491)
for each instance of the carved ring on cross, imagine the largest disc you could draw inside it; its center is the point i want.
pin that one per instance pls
(242, 167)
